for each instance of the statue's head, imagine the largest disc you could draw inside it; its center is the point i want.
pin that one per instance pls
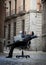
(32, 33)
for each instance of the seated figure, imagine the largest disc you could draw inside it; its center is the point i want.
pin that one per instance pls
(21, 42)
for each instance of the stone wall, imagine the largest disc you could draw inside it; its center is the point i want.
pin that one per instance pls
(33, 22)
(44, 26)
(18, 21)
(2, 18)
(36, 26)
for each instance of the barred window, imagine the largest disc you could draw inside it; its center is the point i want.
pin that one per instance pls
(9, 28)
(23, 25)
(14, 28)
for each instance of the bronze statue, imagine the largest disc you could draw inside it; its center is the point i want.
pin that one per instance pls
(23, 43)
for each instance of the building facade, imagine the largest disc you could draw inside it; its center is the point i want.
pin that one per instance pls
(23, 15)
(15, 18)
(36, 24)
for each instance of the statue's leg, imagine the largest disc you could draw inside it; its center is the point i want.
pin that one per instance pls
(11, 52)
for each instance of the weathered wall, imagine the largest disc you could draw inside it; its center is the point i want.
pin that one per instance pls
(18, 21)
(44, 26)
(33, 21)
(2, 18)
(36, 26)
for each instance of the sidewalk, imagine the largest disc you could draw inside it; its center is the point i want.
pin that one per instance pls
(36, 58)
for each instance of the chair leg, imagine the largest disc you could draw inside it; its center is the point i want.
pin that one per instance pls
(22, 53)
(26, 56)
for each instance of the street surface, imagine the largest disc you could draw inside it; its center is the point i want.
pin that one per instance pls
(36, 58)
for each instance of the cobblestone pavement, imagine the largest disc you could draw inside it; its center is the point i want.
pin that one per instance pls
(36, 58)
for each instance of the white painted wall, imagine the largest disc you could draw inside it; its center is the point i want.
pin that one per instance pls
(33, 4)
(36, 26)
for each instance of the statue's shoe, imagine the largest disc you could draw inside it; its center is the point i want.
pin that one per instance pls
(9, 57)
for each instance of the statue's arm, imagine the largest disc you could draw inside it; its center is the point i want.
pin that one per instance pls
(32, 37)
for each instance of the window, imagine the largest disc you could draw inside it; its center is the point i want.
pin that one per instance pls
(4, 31)
(9, 7)
(23, 4)
(14, 28)
(9, 27)
(15, 5)
(23, 25)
